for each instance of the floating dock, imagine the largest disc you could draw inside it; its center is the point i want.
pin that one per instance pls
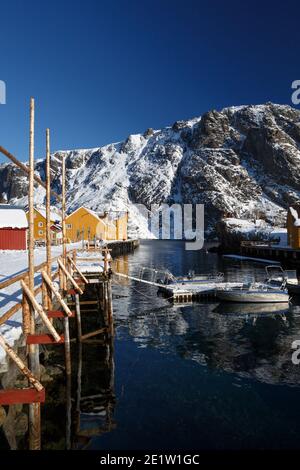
(186, 291)
(189, 292)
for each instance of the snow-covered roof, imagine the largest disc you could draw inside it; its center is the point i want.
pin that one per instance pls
(53, 215)
(12, 217)
(294, 214)
(90, 211)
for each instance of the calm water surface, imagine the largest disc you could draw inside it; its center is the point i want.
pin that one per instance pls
(202, 375)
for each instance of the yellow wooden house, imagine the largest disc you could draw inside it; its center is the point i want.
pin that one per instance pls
(121, 226)
(84, 224)
(40, 225)
(293, 226)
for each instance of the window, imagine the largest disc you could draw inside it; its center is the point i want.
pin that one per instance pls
(41, 224)
(41, 232)
(68, 226)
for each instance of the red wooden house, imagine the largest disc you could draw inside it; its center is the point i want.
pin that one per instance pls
(13, 228)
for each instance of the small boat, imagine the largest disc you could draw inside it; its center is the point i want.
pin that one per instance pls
(254, 293)
(199, 278)
(276, 276)
(252, 309)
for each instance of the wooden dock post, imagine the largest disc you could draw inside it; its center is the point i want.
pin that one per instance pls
(26, 312)
(47, 294)
(34, 362)
(63, 182)
(110, 308)
(78, 317)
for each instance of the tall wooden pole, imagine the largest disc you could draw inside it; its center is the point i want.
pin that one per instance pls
(48, 196)
(25, 168)
(30, 199)
(63, 177)
(34, 408)
(47, 293)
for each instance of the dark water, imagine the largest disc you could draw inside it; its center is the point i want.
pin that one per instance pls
(200, 375)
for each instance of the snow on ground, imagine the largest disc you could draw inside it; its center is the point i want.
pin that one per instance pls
(93, 266)
(13, 263)
(246, 227)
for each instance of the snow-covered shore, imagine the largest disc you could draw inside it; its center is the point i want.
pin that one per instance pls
(13, 263)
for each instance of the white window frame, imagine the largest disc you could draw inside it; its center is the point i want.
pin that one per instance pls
(41, 224)
(41, 232)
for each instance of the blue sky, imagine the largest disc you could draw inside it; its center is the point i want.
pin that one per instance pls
(101, 70)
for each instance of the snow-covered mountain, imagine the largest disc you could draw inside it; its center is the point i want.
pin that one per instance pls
(239, 160)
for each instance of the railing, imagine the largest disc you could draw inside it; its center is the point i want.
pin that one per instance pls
(248, 243)
(29, 305)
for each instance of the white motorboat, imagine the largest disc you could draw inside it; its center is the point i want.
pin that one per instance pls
(254, 293)
(199, 278)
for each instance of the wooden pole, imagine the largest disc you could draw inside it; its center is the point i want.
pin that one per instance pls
(26, 314)
(48, 215)
(63, 177)
(79, 373)
(56, 293)
(110, 308)
(31, 199)
(69, 277)
(20, 364)
(40, 311)
(78, 270)
(78, 317)
(34, 363)
(26, 170)
(67, 346)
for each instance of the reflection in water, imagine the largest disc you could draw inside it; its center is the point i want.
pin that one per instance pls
(95, 399)
(190, 376)
(201, 375)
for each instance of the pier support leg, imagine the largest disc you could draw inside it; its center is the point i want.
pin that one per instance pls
(110, 308)
(78, 317)
(68, 385)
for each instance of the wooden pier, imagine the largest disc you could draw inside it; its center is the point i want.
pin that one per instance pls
(285, 255)
(65, 283)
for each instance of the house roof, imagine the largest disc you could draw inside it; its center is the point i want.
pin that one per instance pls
(12, 217)
(90, 211)
(53, 215)
(294, 211)
(56, 228)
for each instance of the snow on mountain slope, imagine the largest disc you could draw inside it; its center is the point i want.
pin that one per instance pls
(238, 161)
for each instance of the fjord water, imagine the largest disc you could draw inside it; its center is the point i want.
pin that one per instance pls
(203, 375)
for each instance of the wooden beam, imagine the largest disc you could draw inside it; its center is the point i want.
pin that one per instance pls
(21, 276)
(56, 294)
(77, 269)
(36, 306)
(26, 170)
(34, 360)
(15, 308)
(68, 275)
(21, 396)
(44, 339)
(48, 217)
(63, 209)
(20, 364)
(58, 314)
(93, 333)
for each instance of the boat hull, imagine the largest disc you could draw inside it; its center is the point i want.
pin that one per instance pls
(243, 296)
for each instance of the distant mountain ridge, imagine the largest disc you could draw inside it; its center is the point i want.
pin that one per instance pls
(238, 160)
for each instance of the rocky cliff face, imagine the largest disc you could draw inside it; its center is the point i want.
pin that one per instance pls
(239, 161)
